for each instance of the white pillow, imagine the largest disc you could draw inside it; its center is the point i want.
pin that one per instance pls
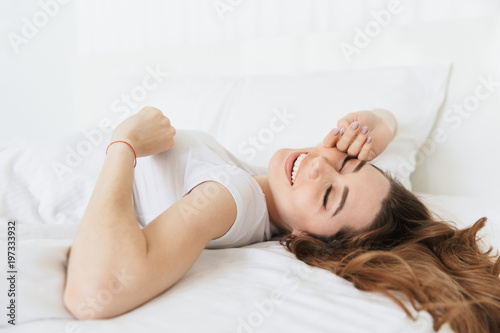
(51, 182)
(249, 115)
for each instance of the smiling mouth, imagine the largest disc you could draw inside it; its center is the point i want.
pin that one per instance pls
(295, 167)
(289, 163)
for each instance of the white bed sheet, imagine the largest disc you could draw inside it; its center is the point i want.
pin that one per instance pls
(260, 288)
(257, 288)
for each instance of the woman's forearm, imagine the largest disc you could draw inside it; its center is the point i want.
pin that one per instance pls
(109, 237)
(108, 267)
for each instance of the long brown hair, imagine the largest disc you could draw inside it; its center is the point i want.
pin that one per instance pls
(439, 268)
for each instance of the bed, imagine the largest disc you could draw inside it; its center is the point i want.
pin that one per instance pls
(260, 287)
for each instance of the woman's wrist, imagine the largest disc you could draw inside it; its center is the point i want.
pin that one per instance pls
(389, 120)
(122, 147)
(121, 137)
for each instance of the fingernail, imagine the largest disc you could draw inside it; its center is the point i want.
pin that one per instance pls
(369, 140)
(335, 131)
(365, 130)
(342, 130)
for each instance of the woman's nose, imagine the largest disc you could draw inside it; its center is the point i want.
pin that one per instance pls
(314, 169)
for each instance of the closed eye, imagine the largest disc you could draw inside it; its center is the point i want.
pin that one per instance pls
(327, 193)
(325, 199)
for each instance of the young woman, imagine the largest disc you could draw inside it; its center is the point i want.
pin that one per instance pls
(334, 210)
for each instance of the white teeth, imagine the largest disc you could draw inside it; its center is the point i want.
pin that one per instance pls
(296, 166)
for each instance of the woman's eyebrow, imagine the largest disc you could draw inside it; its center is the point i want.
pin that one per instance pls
(359, 166)
(347, 159)
(342, 201)
(346, 189)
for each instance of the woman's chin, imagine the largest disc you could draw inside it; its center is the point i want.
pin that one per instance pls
(273, 161)
(277, 163)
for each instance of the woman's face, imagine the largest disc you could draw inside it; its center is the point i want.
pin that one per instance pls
(330, 190)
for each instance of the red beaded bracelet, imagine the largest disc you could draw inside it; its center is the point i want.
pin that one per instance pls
(135, 156)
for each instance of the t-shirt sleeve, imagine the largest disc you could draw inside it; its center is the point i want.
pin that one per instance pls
(252, 220)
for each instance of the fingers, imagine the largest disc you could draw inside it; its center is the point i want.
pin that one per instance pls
(348, 135)
(366, 154)
(331, 139)
(351, 139)
(359, 140)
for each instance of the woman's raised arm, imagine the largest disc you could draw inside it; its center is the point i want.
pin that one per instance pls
(113, 265)
(364, 134)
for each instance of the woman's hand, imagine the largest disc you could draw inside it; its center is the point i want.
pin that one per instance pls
(364, 134)
(148, 131)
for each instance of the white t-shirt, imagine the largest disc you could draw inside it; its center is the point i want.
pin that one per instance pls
(162, 179)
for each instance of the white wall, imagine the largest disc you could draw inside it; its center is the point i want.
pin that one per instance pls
(35, 82)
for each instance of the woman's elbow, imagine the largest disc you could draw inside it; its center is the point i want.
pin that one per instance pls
(74, 303)
(86, 302)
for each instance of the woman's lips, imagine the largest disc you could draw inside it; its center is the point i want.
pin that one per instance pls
(289, 165)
